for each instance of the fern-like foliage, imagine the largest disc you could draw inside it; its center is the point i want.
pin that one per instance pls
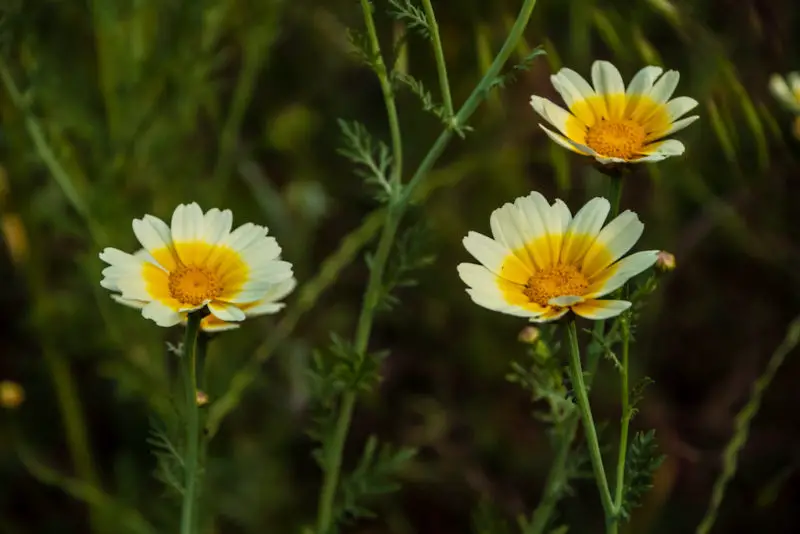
(411, 254)
(511, 75)
(372, 158)
(362, 48)
(418, 89)
(411, 15)
(374, 475)
(640, 465)
(169, 461)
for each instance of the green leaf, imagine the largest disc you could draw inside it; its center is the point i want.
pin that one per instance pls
(412, 16)
(425, 97)
(373, 476)
(510, 77)
(640, 465)
(373, 158)
(410, 255)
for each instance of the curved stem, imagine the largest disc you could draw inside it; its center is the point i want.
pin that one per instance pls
(388, 97)
(576, 374)
(438, 52)
(626, 416)
(188, 361)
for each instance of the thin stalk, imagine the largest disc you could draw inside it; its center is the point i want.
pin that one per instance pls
(576, 374)
(398, 203)
(743, 419)
(626, 417)
(388, 97)
(189, 361)
(438, 52)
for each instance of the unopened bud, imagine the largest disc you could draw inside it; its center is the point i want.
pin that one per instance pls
(529, 334)
(665, 261)
(202, 398)
(11, 394)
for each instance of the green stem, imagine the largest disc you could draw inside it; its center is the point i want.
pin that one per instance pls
(189, 360)
(394, 215)
(743, 420)
(576, 374)
(626, 417)
(388, 97)
(438, 52)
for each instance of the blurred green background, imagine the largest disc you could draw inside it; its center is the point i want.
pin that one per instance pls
(111, 109)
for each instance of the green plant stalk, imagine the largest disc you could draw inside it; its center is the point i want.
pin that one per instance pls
(62, 177)
(576, 374)
(438, 52)
(625, 421)
(743, 419)
(192, 415)
(394, 215)
(388, 98)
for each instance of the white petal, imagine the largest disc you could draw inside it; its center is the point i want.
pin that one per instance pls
(663, 150)
(264, 308)
(665, 86)
(793, 79)
(621, 272)
(553, 314)
(187, 223)
(555, 115)
(573, 88)
(566, 143)
(601, 309)
(137, 304)
(613, 242)
(244, 236)
(678, 107)
(783, 93)
(680, 125)
(152, 233)
(218, 326)
(489, 252)
(280, 290)
(216, 225)
(587, 222)
(225, 311)
(642, 82)
(608, 82)
(162, 315)
(496, 303)
(479, 278)
(565, 300)
(512, 228)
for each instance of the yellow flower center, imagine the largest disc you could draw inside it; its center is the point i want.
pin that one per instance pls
(193, 285)
(622, 139)
(555, 281)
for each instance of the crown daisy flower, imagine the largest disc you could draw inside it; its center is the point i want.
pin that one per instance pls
(615, 124)
(198, 262)
(541, 262)
(786, 90)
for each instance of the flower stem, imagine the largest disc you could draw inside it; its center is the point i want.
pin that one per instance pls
(188, 359)
(626, 416)
(438, 52)
(333, 458)
(576, 374)
(388, 97)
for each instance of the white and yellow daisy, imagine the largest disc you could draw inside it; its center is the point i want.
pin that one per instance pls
(542, 262)
(196, 262)
(786, 90)
(614, 124)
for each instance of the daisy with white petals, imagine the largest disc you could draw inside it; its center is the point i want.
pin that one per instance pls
(195, 262)
(615, 124)
(542, 262)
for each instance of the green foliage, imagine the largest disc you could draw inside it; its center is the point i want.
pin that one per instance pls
(169, 461)
(640, 465)
(425, 97)
(374, 475)
(362, 48)
(410, 255)
(486, 520)
(372, 158)
(509, 77)
(414, 17)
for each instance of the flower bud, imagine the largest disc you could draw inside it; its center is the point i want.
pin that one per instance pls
(529, 335)
(202, 398)
(665, 261)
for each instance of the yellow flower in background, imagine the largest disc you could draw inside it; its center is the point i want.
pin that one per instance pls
(542, 262)
(615, 124)
(11, 394)
(195, 262)
(786, 90)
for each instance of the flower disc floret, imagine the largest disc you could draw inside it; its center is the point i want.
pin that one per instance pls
(541, 262)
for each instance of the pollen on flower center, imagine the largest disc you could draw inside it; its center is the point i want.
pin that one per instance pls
(193, 285)
(556, 281)
(616, 139)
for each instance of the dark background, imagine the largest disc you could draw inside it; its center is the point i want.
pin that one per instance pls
(233, 104)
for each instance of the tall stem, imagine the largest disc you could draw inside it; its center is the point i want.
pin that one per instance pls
(438, 52)
(576, 374)
(626, 416)
(188, 361)
(398, 202)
